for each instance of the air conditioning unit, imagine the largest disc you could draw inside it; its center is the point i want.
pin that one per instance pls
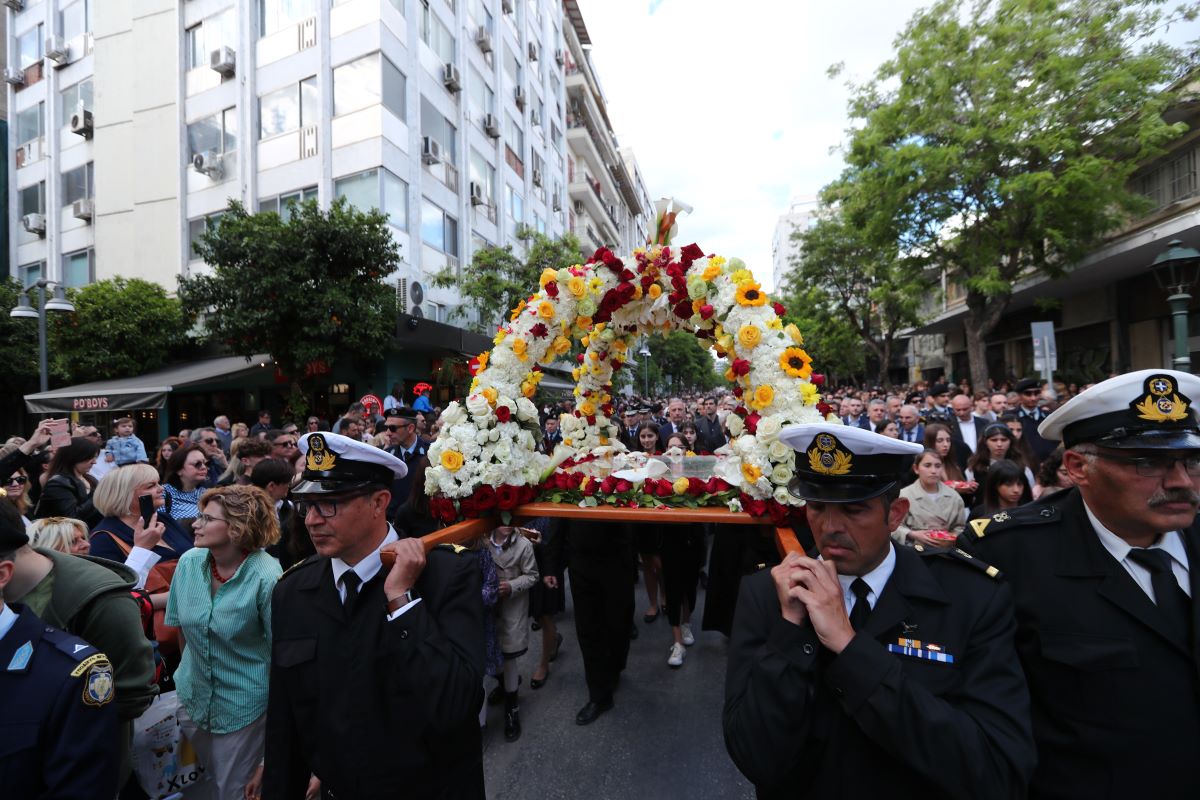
(533, 53)
(578, 206)
(519, 97)
(557, 203)
(15, 5)
(28, 153)
(484, 39)
(477, 194)
(506, 6)
(535, 118)
(14, 76)
(491, 126)
(207, 163)
(35, 223)
(537, 177)
(56, 50)
(81, 122)
(223, 60)
(559, 58)
(450, 78)
(83, 209)
(431, 151)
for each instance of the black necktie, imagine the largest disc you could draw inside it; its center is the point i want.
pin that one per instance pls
(1171, 600)
(350, 582)
(862, 608)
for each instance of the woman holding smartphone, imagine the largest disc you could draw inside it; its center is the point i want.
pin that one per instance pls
(68, 488)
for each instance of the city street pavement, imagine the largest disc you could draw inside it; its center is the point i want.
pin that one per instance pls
(662, 740)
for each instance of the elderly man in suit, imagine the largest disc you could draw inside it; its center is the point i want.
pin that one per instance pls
(1106, 578)
(965, 428)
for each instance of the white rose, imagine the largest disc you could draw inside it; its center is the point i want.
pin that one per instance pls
(493, 435)
(768, 428)
(735, 425)
(781, 475)
(477, 404)
(526, 410)
(784, 497)
(778, 451)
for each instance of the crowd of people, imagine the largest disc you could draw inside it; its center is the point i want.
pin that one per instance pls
(243, 565)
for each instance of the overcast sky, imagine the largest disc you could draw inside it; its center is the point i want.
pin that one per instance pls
(728, 107)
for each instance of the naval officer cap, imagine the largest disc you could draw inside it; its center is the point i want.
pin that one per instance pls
(845, 464)
(337, 464)
(1148, 409)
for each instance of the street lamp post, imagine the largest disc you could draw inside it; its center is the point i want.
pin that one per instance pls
(645, 354)
(58, 302)
(1176, 270)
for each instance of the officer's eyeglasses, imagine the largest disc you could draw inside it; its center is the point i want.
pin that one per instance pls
(1156, 466)
(325, 507)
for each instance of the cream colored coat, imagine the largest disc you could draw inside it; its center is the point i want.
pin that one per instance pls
(516, 564)
(942, 513)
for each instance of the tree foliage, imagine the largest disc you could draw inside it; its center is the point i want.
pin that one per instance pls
(999, 140)
(120, 328)
(678, 361)
(307, 289)
(497, 279)
(835, 346)
(18, 340)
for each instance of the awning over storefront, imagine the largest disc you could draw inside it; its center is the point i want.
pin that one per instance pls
(144, 391)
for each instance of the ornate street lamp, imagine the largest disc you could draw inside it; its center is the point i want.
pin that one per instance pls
(58, 302)
(645, 354)
(1176, 270)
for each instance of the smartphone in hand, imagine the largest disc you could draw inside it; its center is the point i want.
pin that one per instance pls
(146, 508)
(60, 433)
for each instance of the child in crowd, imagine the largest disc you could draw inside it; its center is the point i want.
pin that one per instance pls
(125, 448)
(516, 567)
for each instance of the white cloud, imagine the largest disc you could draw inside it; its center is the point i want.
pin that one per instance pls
(728, 106)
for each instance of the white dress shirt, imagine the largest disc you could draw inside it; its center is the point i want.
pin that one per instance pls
(1171, 543)
(969, 434)
(366, 569)
(876, 579)
(8, 618)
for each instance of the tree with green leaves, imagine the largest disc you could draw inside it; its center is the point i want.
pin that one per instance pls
(307, 289)
(999, 140)
(120, 328)
(678, 361)
(870, 288)
(834, 345)
(18, 340)
(497, 279)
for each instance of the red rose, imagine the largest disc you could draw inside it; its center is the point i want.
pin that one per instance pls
(503, 414)
(691, 252)
(817, 379)
(741, 366)
(778, 513)
(539, 330)
(579, 358)
(824, 409)
(608, 484)
(616, 365)
(675, 271)
(607, 408)
(627, 275)
(485, 497)
(576, 479)
(663, 488)
(443, 510)
(779, 309)
(755, 508)
(589, 490)
(646, 281)
(508, 497)
(683, 309)
(737, 391)
(603, 254)
(552, 289)
(716, 485)
(469, 507)
(695, 486)
(528, 494)
(752, 423)
(741, 412)
(623, 485)
(706, 311)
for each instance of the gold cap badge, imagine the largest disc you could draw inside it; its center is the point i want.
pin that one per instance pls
(320, 458)
(1161, 402)
(827, 456)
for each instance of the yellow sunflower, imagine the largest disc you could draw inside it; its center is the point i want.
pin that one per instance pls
(516, 312)
(750, 294)
(452, 460)
(749, 336)
(795, 362)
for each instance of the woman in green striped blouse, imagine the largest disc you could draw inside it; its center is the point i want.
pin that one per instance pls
(221, 599)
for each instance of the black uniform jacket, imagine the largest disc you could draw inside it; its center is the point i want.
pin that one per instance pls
(1116, 709)
(802, 722)
(377, 709)
(58, 724)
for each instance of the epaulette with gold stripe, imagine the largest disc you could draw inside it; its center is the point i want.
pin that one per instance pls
(310, 560)
(962, 556)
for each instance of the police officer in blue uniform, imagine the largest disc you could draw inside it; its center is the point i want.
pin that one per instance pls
(873, 670)
(58, 724)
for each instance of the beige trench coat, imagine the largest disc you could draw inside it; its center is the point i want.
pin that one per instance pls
(942, 513)
(516, 564)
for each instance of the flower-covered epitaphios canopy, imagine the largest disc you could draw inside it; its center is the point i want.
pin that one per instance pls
(485, 458)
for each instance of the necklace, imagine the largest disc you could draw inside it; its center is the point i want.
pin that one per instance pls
(217, 575)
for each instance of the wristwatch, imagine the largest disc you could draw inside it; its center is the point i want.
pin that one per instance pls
(398, 602)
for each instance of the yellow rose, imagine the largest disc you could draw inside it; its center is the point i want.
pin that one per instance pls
(452, 460)
(519, 346)
(655, 290)
(794, 332)
(547, 276)
(529, 389)
(583, 322)
(561, 345)
(764, 395)
(603, 439)
(680, 486)
(749, 336)
(586, 408)
(491, 394)
(594, 356)
(729, 375)
(585, 341)
(710, 272)
(619, 345)
(576, 286)
(751, 473)
(546, 309)
(637, 292)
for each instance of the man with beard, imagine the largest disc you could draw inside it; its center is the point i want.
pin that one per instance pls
(873, 669)
(1106, 595)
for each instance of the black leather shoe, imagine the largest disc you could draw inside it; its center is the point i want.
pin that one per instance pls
(537, 683)
(591, 712)
(512, 725)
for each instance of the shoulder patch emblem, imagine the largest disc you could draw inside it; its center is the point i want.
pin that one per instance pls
(88, 663)
(98, 688)
(20, 659)
(1001, 517)
(979, 526)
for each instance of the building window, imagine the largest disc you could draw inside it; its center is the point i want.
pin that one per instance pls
(217, 134)
(29, 274)
(32, 199)
(79, 268)
(30, 124)
(480, 97)
(438, 128)
(288, 109)
(29, 47)
(376, 189)
(284, 204)
(512, 67)
(435, 34)
(1173, 179)
(275, 15)
(74, 20)
(197, 227)
(483, 174)
(75, 96)
(439, 230)
(219, 30)
(366, 82)
(516, 210)
(514, 136)
(77, 184)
